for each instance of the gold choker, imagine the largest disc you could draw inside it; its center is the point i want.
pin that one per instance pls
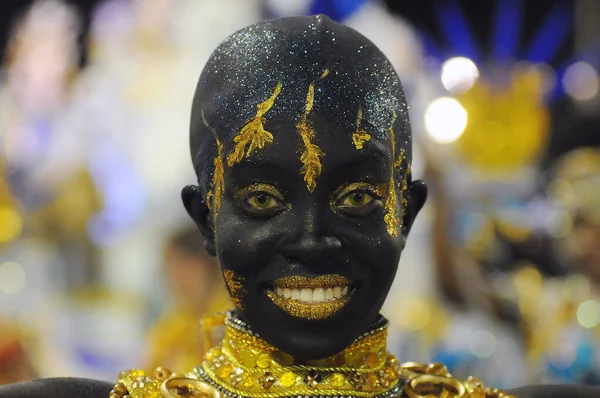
(244, 365)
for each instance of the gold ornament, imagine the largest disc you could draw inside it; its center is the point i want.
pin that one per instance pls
(253, 135)
(310, 158)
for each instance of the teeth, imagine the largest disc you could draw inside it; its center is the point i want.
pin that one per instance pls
(317, 295)
(329, 294)
(306, 295)
(337, 292)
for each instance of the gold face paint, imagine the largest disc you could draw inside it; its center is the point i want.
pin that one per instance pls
(310, 158)
(253, 135)
(235, 285)
(360, 136)
(391, 218)
(217, 186)
(303, 282)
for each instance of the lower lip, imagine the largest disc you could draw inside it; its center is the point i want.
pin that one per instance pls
(310, 311)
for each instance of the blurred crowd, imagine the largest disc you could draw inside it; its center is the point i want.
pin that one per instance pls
(101, 270)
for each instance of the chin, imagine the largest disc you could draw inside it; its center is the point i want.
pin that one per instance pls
(310, 328)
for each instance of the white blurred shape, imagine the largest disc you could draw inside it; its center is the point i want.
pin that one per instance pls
(588, 314)
(459, 74)
(288, 7)
(445, 120)
(483, 344)
(581, 81)
(12, 278)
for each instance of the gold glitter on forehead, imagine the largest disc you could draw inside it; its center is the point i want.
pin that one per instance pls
(310, 158)
(360, 136)
(235, 285)
(217, 185)
(253, 135)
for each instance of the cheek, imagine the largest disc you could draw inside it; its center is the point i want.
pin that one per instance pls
(243, 244)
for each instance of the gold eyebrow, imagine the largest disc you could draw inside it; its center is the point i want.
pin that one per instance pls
(360, 136)
(217, 186)
(253, 135)
(310, 158)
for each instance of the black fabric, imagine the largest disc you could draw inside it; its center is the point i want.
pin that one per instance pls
(556, 391)
(57, 388)
(86, 388)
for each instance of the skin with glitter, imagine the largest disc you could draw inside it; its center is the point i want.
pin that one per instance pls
(288, 213)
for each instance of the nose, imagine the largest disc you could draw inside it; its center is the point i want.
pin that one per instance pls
(309, 244)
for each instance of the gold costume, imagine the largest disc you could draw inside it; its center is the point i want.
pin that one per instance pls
(244, 365)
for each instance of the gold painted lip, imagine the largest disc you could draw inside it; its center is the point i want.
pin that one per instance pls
(311, 311)
(304, 282)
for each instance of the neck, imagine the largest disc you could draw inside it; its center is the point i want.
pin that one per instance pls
(245, 365)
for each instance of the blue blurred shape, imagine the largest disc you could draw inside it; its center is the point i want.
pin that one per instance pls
(455, 29)
(507, 29)
(551, 35)
(337, 10)
(431, 47)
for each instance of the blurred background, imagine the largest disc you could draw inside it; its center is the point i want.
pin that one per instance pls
(101, 270)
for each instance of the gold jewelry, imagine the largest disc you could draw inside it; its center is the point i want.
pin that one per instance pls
(244, 365)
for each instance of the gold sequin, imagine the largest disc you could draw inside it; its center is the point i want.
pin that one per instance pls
(310, 157)
(288, 379)
(337, 380)
(253, 135)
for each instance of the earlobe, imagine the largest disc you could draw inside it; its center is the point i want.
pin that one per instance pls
(197, 209)
(416, 196)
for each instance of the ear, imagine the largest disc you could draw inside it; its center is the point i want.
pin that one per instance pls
(416, 197)
(197, 209)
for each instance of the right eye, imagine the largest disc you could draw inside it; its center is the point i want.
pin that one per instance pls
(260, 199)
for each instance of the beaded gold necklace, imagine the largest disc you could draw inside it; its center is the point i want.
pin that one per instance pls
(244, 365)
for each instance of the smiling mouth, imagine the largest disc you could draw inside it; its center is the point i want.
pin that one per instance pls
(311, 298)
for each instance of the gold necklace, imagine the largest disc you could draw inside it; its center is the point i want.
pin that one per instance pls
(244, 365)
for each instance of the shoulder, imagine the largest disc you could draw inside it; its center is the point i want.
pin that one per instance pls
(556, 391)
(57, 388)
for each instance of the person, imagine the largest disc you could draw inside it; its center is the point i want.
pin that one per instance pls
(301, 144)
(194, 280)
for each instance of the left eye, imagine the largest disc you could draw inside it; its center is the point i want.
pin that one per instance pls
(358, 203)
(263, 201)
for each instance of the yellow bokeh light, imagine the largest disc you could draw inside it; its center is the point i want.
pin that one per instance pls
(10, 224)
(588, 314)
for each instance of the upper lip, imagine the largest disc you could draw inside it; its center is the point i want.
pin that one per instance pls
(312, 282)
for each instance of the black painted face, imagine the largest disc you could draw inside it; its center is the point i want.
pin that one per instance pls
(308, 256)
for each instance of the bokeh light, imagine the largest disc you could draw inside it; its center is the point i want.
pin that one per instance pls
(581, 81)
(445, 120)
(10, 224)
(588, 314)
(459, 74)
(12, 278)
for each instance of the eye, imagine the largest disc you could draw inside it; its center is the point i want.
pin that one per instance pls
(356, 199)
(260, 199)
(359, 199)
(263, 201)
